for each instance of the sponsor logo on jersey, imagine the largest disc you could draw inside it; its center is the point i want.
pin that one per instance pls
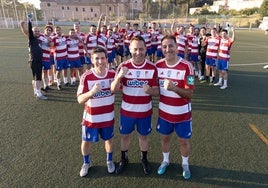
(136, 83)
(102, 93)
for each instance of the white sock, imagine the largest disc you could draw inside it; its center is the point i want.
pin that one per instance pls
(220, 80)
(225, 82)
(58, 82)
(65, 80)
(185, 160)
(166, 157)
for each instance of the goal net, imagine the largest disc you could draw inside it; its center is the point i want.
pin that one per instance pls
(6, 23)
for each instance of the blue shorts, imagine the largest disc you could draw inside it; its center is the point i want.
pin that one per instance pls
(180, 55)
(159, 53)
(154, 49)
(111, 57)
(82, 60)
(120, 51)
(211, 62)
(74, 64)
(223, 64)
(149, 51)
(46, 65)
(127, 52)
(194, 58)
(182, 129)
(52, 62)
(127, 125)
(61, 64)
(92, 134)
(87, 61)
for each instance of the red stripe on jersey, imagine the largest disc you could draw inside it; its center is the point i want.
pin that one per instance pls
(175, 118)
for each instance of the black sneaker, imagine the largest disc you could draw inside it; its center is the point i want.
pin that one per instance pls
(67, 84)
(122, 164)
(44, 89)
(48, 88)
(146, 166)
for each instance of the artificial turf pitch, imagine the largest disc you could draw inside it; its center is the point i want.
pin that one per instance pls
(40, 140)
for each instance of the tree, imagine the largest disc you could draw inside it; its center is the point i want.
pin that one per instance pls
(264, 8)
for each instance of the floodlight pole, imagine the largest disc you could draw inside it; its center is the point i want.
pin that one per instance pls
(16, 11)
(3, 9)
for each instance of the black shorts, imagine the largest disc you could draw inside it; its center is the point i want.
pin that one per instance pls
(36, 66)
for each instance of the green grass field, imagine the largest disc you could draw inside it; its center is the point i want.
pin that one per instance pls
(40, 140)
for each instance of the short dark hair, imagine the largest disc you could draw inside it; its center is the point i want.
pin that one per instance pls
(138, 38)
(169, 37)
(99, 49)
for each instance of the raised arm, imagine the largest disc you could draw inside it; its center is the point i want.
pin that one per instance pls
(23, 28)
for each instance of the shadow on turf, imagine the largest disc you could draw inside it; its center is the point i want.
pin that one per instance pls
(242, 95)
(200, 174)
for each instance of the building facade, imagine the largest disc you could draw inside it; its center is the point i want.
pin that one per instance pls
(230, 5)
(90, 10)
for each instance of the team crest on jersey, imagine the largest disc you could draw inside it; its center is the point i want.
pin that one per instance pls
(190, 80)
(138, 73)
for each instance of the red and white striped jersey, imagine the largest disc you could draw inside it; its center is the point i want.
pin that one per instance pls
(224, 49)
(73, 49)
(154, 33)
(119, 37)
(45, 45)
(91, 42)
(148, 39)
(60, 46)
(190, 39)
(127, 37)
(213, 46)
(99, 109)
(194, 45)
(182, 42)
(159, 38)
(110, 44)
(172, 107)
(82, 37)
(102, 39)
(135, 102)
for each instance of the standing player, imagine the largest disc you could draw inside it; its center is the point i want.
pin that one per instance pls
(193, 54)
(148, 41)
(159, 37)
(224, 57)
(154, 32)
(138, 79)
(98, 117)
(176, 80)
(45, 43)
(81, 37)
(74, 62)
(90, 43)
(60, 56)
(202, 49)
(111, 45)
(182, 40)
(35, 57)
(213, 43)
(119, 38)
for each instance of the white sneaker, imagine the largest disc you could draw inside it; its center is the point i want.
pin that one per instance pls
(201, 77)
(223, 87)
(84, 169)
(110, 167)
(41, 96)
(218, 84)
(186, 172)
